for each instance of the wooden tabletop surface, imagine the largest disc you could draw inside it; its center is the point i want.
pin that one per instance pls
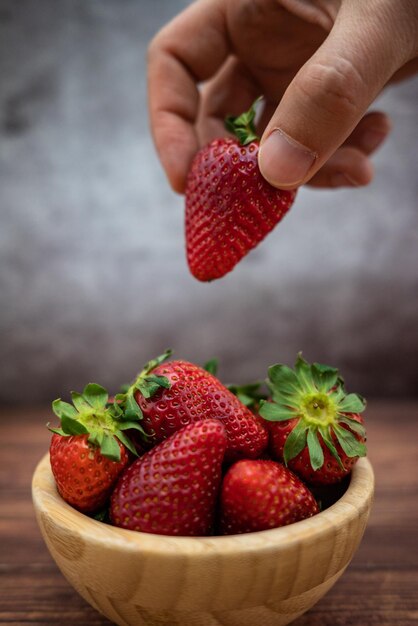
(379, 587)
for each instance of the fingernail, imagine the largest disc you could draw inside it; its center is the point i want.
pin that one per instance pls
(371, 140)
(342, 180)
(283, 161)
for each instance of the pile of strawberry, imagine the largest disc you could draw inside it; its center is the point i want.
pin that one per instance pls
(179, 453)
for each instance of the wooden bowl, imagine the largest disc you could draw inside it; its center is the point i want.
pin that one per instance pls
(267, 578)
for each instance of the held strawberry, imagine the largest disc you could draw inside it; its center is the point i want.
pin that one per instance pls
(230, 207)
(168, 396)
(173, 488)
(315, 427)
(90, 449)
(258, 495)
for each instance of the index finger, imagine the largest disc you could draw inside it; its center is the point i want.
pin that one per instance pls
(190, 49)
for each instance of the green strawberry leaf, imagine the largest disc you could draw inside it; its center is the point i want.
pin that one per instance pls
(352, 403)
(303, 371)
(211, 366)
(301, 365)
(324, 369)
(57, 431)
(71, 426)
(291, 401)
(243, 126)
(353, 425)
(149, 385)
(95, 395)
(110, 447)
(145, 389)
(148, 367)
(337, 394)
(115, 410)
(126, 441)
(244, 399)
(295, 442)
(96, 437)
(61, 408)
(79, 402)
(325, 377)
(275, 412)
(131, 426)
(132, 410)
(155, 382)
(284, 379)
(160, 381)
(250, 395)
(330, 445)
(316, 454)
(351, 446)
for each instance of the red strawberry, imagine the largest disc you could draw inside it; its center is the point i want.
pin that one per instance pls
(171, 395)
(315, 426)
(173, 488)
(258, 495)
(83, 475)
(90, 450)
(230, 207)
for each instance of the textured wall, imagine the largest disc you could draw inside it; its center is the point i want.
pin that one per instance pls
(93, 279)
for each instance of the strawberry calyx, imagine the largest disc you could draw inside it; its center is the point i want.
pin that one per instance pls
(91, 414)
(243, 126)
(249, 394)
(315, 397)
(211, 366)
(147, 383)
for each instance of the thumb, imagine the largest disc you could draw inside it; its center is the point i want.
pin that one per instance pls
(329, 95)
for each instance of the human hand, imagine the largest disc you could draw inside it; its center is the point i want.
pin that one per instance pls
(318, 63)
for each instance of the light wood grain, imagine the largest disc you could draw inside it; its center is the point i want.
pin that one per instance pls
(266, 578)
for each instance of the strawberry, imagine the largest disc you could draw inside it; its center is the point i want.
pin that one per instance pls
(258, 495)
(230, 207)
(172, 489)
(83, 475)
(315, 426)
(171, 395)
(90, 449)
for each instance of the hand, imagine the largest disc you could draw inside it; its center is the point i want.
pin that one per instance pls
(318, 63)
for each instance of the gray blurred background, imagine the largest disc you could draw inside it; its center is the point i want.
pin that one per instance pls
(93, 278)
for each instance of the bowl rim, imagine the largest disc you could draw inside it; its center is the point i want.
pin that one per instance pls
(356, 499)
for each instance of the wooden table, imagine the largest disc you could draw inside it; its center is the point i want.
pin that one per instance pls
(380, 586)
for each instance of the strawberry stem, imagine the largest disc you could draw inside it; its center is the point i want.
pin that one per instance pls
(318, 409)
(147, 384)
(243, 126)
